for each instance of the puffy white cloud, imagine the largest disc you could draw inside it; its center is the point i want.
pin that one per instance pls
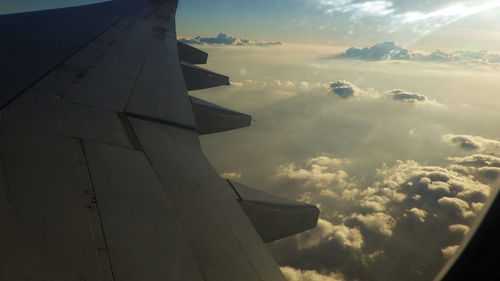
(470, 142)
(378, 222)
(328, 161)
(438, 186)
(477, 160)
(477, 206)
(491, 173)
(484, 167)
(326, 231)
(382, 51)
(374, 203)
(418, 214)
(405, 202)
(344, 89)
(328, 193)
(231, 175)
(459, 228)
(225, 39)
(449, 251)
(406, 96)
(293, 274)
(445, 182)
(459, 206)
(319, 172)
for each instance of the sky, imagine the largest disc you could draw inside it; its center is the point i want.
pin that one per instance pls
(397, 154)
(393, 139)
(382, 113)
(426, 24)
(16, 6)
(342, 22)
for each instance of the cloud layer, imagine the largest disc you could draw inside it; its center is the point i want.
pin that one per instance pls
(377, 213)
(225, 39)
(391, 51)
(367, 223)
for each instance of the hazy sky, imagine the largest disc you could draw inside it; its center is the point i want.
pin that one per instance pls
(400, 156)
(347, 21)
(464, 24)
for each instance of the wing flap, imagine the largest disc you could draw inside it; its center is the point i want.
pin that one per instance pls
(191, 54)
(272, 216)
(197, 78)
(207, 208)
(212, 118)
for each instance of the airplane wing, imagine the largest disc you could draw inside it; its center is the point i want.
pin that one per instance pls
(101, 172)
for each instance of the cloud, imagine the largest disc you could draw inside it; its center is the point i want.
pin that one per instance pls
(344, 89)
(469, 142)
(405, 202)
(378, 222)
(457, 205)
(382, 51)
(465, 142)
(370, 258)
(225, 39)
(374, 203)
(449, 251)
(320, 172)
(277, 84)
(459, 228)
(484, 167)
(409, 20)
(418, 214)
(326, 231)
(293, 274)
(439, 181)
(391, 51)
(409, 97)
(376, 8)
(327, 161)
(349, 182)
(477, 160)
(231, 175)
